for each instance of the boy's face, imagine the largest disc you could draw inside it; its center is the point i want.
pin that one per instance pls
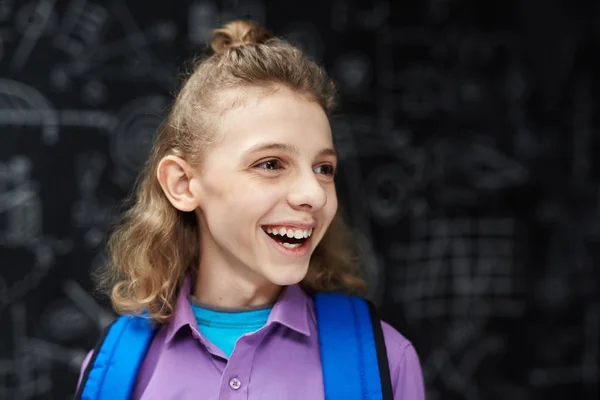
(272, 169)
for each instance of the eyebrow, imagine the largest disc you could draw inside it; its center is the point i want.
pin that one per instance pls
(286, 148)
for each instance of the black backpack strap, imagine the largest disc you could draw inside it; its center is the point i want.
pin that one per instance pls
(384, 368)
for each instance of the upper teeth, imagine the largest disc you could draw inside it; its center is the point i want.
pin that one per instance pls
(291, 233)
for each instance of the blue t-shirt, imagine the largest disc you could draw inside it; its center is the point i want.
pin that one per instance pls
(224, 328)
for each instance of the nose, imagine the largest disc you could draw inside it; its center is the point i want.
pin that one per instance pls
(307, 193)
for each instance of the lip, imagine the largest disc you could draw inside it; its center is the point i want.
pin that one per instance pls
(298, 252)
(292, 224)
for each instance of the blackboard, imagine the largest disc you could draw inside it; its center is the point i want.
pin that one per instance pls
(466, 137)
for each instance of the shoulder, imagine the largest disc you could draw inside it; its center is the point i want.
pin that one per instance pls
(83, 367)
(405, 366)
(394, 339)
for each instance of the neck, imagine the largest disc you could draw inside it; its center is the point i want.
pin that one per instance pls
(222, 282)
(218, 286)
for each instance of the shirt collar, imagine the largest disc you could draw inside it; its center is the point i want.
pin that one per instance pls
(183, 314)
(292, 309)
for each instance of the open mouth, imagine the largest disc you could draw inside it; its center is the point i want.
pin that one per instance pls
(288, 238)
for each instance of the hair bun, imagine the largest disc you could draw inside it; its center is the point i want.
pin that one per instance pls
(237, 33)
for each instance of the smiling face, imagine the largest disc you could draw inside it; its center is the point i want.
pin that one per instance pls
(270, 176)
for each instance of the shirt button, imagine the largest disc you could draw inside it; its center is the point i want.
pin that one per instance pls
(235, 383)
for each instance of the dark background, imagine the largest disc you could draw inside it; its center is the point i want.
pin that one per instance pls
(467, 132)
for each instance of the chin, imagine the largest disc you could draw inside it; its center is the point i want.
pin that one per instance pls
(286, 279)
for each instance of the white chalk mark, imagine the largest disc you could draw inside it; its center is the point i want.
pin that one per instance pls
(83, 25)
(389, 190)
(53, 352)
(89, 170)
(22, 105)
(109, 51)
(132, 137)
(27, 373)
(87, 304)
(101, 120)
(490, 170)
(20, 203)
(11, 200)
(449, 272)
(138, 41)
(41, 16)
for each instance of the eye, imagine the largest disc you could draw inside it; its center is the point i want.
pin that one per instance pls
(326, 169)
(269, 164)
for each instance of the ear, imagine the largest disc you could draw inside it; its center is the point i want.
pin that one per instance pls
(175, 176)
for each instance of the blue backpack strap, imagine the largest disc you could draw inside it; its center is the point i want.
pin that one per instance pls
(353, 355)
(112, 371)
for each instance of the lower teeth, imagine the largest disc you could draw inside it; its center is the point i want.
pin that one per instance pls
(290, 246)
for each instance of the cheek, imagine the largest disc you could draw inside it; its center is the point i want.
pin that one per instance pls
(240, 201)
(254, 204)
(332, 201)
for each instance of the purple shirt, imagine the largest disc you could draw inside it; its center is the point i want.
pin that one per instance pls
(280, 361)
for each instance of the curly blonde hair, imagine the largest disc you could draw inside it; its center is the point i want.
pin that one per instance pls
(156, 246)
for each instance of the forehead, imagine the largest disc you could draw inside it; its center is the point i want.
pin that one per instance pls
(257, 114)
